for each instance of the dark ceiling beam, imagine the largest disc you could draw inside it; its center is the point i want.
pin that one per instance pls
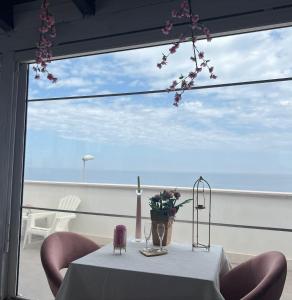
(6, 15)
(86, 7)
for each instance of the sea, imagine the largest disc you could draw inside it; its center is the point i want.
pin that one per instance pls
(234, 181)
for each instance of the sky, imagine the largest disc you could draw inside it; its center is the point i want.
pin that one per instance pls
(240, 129)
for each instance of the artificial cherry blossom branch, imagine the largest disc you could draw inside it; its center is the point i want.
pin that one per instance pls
(47, 34)
(187, 82)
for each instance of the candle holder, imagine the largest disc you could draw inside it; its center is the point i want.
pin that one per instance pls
(120, 238)
(138, 233)
(201, 201)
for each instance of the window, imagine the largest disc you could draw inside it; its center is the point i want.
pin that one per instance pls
(237, 135)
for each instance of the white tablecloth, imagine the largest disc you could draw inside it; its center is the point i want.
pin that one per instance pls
(179, 275)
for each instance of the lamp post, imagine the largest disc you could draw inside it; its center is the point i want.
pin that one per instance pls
(85, 158)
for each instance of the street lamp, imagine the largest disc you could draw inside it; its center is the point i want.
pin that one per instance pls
(85, 158)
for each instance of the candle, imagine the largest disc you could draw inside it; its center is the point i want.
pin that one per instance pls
(120, 237)
(138, 233)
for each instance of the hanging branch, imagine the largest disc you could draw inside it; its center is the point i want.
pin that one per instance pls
(47, 34)
(186, 82)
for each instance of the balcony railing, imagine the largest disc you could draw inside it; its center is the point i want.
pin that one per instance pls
(246, 222)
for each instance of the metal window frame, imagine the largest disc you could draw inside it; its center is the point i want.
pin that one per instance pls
(13, 212)
(147, 92)
(218, 224)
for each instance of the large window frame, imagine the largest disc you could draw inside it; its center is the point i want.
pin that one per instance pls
(82, 48)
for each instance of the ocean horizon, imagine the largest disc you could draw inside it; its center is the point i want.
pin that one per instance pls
(234, 181)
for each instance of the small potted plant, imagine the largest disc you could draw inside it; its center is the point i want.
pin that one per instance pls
(164, 207)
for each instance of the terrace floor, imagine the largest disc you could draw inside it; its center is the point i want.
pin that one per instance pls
(33, 283)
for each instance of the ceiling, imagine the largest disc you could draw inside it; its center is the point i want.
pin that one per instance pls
(86, 7)
(220, 16)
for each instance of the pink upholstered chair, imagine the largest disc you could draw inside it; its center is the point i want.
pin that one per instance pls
(260, 278)
(59, 250)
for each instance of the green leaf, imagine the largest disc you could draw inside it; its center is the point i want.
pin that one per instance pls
(184, 202)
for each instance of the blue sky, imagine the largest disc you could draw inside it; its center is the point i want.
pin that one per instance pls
(246, 129)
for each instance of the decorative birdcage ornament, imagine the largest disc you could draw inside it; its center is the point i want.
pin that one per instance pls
(201, 201)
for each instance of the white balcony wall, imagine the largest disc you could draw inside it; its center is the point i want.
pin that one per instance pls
(228, 206)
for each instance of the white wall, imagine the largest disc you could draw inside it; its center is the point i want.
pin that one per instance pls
(231, 207)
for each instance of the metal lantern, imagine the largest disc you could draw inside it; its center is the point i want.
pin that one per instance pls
(201, 201)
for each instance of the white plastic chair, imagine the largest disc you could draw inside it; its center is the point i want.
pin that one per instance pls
(58, 221)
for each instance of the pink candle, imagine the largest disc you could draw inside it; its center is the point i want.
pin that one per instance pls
(120, 237)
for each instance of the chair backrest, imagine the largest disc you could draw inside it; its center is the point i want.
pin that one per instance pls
(59, 250)
(260, 278)
(69, 202)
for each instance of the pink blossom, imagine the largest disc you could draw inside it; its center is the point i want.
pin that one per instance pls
(174, 13)
(191, 84)
(51, 77)
(184, 6)
(187, 82)
(192, 75)
(167, 28)
(43, 53)
(173, 85)
(50, 21)
(206, 31)
(195, 18)
(43, 29)
(183, 84)
(174, 82)
(43, 15)
(177, 98)
(173, 48)
(201, 55)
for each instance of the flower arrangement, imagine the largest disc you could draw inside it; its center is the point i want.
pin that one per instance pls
(47, 34)
(186, 82)
(165, 203)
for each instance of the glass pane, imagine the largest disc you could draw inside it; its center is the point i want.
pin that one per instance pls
(33, 283)
(100, 230)
(245, 57)
(238, 137)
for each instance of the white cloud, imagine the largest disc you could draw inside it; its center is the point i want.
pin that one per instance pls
(250, 117)
(141, 121)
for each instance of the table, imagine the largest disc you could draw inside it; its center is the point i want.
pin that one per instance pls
(179, 275)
